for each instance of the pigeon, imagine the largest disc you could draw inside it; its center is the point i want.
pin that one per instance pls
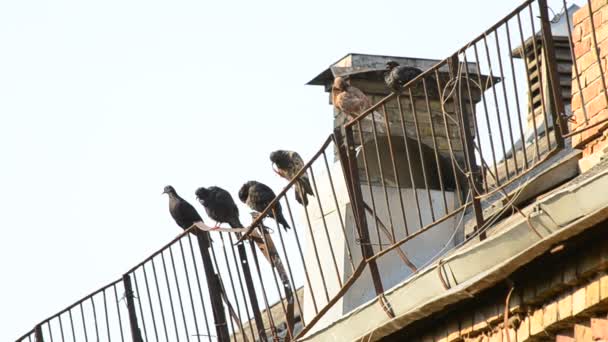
(182, 212)
(288, 164)
(258, 196)
(350, 100)
(219, 206)
(396, 76)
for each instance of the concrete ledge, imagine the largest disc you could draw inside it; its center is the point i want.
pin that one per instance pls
(559, 216)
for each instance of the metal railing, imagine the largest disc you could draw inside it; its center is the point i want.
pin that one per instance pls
(412, 166)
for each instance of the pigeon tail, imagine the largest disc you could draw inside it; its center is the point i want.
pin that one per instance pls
(305, 183)
(281, 219)
(235, 223)
(301, 197)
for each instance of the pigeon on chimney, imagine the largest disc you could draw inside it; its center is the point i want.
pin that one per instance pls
(396, 76)
(351, 101)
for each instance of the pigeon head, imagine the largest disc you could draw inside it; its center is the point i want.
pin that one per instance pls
(390, 65)
(244, 191)
(340, 83)
(280, 158)
(169, 190)
(202, 194)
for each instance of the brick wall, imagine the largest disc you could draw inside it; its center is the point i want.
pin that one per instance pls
(594, 140)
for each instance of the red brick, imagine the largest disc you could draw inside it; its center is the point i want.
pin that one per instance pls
(597, 17)
(590, 74)
(595, 105)
(580, 15)
(592, 90)
(586, 27)
(577, 34)
(576, 141)
(582, 47)
(576, 102)
(599, 329)
(586, 60)
(601, 33)
(597, 5)
(603, 48)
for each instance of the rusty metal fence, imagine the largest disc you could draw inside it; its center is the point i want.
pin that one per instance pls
(406, 167)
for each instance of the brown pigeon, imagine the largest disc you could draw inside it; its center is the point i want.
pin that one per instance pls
(288, 164)
(350, 100)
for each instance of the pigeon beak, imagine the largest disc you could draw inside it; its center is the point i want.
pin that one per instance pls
(164, 192)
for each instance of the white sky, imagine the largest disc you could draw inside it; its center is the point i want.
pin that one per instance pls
(104, 103)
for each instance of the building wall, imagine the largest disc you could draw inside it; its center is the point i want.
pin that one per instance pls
(593, 99)
(394, 270)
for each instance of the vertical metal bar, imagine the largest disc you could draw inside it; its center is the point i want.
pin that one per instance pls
(149, 303)
(333, 191)
(230, 318)
(135, 332)
(395, 172)
(162, 258)
(72, 325)
(160, 301)
(231, 280)
(382, 178)
(105, 310)
(273, 267)
(94, 318)
(305, 268)
(366, 248)
(455, 166)
(215, 294)
(422, 164)
(498, 115)
(315, 250)
(293, 284)
(141, 311)
(122, 337)
(517, 105)
(465, 128)
(524, 56)
(61, 328)
(273, 327)
(487, 115)
(435, 148)
(253, 300)
(539, 70)
(473, 113)
(84, 325)
(38, 334)
(179, 293)
(506, 102)
(409, 164)
(200, 291)
(368, 179)
(331, 248)
(48, 324)
(181, 249)
(557, 104)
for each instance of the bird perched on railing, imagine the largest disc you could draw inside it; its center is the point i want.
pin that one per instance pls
(350, 100)
(396, 76)
(219, 206)
(288, 164)
(258, 196)
(182, 212)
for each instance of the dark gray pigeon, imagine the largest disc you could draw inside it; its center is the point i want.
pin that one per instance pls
(289, 163)
(258, 196)
(182, 212)
(397, 76)
(219, 206)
